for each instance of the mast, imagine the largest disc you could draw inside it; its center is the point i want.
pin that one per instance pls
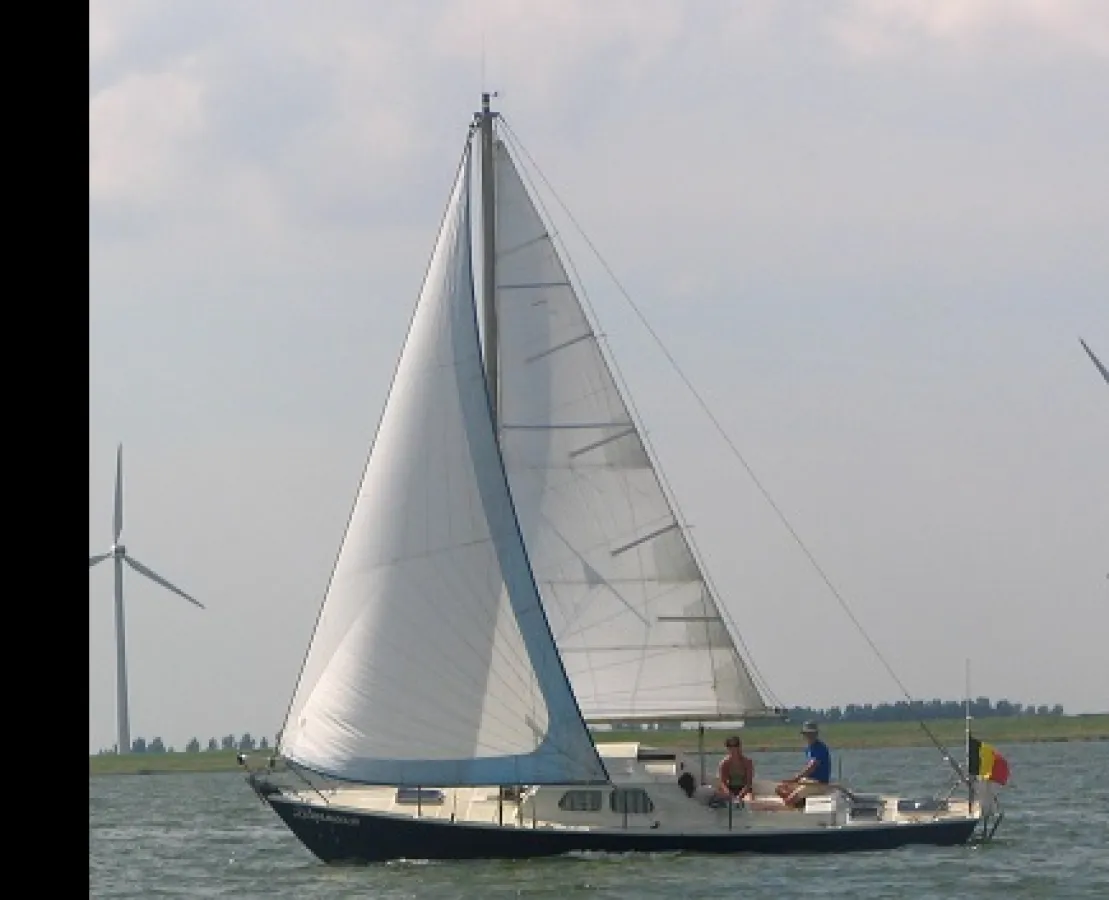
(488, 253)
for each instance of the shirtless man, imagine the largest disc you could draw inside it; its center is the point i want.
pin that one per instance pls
(736, 775)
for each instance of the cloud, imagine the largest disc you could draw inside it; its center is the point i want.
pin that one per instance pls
(878, 29)
(110, 23)
(266, 120)
(546, 48)
(142, 136)
(282, 119)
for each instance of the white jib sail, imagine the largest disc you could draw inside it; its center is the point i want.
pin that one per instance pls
(640, 634)
(432, 662)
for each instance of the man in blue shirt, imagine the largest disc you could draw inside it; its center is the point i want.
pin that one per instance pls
(814, 777)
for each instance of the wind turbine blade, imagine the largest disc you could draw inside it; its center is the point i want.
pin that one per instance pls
(153, 576)
(1097, 362)
(117, 522)
(100, 557)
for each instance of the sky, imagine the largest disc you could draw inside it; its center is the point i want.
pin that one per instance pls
(869, 234)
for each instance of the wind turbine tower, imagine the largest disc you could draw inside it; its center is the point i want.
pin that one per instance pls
(118, 554)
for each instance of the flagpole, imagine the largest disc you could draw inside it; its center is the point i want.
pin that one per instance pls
(970, 774)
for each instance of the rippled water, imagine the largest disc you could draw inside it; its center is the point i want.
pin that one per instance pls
(208, 836)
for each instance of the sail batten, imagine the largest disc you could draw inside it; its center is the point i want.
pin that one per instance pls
(639, 630)
(553, 426)
(432, 662)
(532, 284)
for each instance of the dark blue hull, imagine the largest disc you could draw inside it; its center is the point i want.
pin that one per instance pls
(341, 836)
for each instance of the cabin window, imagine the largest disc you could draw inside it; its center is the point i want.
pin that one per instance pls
(630, 800)
(580, 801)
(417, 796)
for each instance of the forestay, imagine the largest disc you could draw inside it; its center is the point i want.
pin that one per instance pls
(432, 662)
(640, 634)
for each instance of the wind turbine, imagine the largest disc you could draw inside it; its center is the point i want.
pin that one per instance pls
(118, 554)
(1097, 362)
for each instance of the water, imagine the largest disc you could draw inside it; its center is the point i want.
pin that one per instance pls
(208, 836)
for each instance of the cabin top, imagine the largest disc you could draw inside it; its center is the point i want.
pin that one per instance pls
(635, 750)
(637, 762)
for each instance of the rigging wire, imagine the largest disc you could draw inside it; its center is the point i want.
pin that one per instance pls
(735, 450)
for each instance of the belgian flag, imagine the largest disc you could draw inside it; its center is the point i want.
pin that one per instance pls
(987, 763)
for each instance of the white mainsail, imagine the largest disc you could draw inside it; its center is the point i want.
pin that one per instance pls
(640, 633)
(432, 662)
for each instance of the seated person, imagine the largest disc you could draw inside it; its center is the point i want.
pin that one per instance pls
(814, 777)
(735, 777)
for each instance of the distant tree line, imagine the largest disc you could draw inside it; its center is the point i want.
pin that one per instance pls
(227, 742)
(899, 711)
(917, 710)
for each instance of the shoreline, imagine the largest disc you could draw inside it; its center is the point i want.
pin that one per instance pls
(756, 738)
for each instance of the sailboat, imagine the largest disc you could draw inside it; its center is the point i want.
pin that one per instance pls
(512, 575)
